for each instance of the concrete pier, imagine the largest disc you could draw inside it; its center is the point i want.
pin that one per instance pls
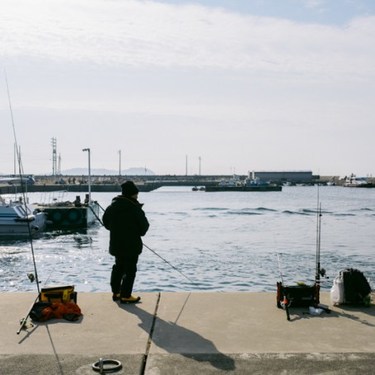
(189, 333)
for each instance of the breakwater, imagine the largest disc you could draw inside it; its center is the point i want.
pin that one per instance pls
(112, 184)
(98, 187)
(103, 184)
(81, 188)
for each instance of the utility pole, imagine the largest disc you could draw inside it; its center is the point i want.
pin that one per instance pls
(54, 160)
(19, 159)
(200, 161)
(186, 165)
(59, 166)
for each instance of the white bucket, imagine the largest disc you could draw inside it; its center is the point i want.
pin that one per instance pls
(337, 291)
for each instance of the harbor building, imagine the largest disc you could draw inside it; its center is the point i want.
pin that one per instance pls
(295, 177)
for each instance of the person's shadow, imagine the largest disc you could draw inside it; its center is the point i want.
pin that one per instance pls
(175, 339)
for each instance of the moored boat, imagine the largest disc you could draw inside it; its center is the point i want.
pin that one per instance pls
(20, 220)
(77, 214)
(70, 215)
(201, 188)
(358, 182)
(249, 184)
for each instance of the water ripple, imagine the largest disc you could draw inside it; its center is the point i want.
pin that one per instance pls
(223, 242)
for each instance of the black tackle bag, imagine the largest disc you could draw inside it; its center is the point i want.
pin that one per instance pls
(356, 286)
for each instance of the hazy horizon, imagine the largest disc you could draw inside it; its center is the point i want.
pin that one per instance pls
(134, 171)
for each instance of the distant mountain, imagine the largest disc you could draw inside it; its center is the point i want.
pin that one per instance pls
(108, 172)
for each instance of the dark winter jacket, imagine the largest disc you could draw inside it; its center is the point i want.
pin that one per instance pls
(127, 222)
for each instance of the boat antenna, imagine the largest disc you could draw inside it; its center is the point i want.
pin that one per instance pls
(20, 170)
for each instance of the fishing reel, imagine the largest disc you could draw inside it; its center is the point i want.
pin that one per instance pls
(322, 272)
(32, 277)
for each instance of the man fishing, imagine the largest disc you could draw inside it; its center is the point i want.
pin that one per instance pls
(127, 223)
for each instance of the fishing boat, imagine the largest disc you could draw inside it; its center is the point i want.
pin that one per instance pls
(71, 215)
(20, 220)
(77, 214)
(249, 184)
(358, 182)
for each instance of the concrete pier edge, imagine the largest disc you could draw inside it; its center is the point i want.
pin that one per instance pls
(189, 333)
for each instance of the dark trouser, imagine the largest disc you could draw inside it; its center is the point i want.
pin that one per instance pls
(123, 275)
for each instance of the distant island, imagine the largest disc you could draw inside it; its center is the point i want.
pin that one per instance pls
(108, 172)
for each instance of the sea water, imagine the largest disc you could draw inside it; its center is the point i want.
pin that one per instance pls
(220, 241)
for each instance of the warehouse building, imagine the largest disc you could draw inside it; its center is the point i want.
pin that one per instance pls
(298, 177)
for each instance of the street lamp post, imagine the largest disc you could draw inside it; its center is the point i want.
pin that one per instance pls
(89, 157)
(119, 163)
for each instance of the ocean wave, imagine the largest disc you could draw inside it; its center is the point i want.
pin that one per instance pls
(289, 212)
(210, 209)
(214, 241)
(266, 209)
(243, 212)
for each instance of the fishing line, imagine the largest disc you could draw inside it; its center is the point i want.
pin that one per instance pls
(20, 170)
(153, 251)
(176, 269)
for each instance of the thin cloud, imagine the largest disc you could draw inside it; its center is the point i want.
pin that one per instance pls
(316, 4)
(150, 34)
(132, 74)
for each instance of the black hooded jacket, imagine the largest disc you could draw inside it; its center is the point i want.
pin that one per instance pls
(127, 222)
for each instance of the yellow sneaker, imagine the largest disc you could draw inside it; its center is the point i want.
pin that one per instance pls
(130, 299)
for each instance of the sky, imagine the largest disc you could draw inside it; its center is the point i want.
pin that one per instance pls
(176, 86)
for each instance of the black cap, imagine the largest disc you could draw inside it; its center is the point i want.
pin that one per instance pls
(129, 189)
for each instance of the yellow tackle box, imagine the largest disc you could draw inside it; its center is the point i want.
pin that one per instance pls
(61, 293)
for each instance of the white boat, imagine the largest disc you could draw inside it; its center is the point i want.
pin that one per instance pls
(249, 184)
(354, 181)
(20, 220)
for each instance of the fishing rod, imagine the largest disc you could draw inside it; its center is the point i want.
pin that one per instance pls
(320, 272)
(23, 321)
(100, 206)
(285, 302)
(97, 217)
(318, 241)
(20, 170)
(153, 251)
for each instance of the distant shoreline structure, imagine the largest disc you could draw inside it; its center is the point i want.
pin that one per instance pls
(105, 183)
